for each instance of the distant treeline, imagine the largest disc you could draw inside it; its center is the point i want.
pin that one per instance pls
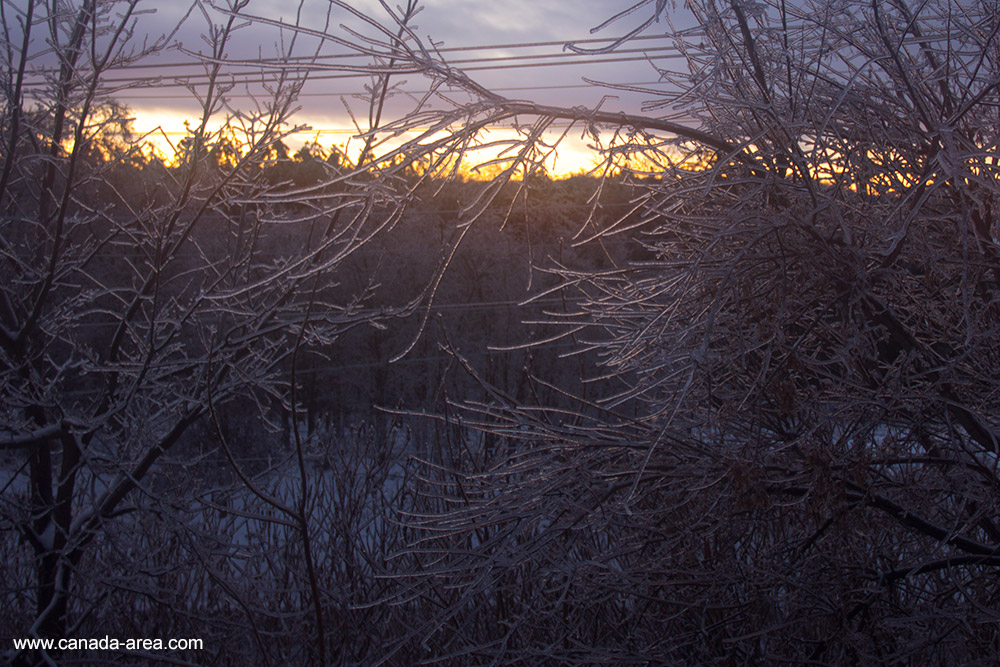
(450, 282)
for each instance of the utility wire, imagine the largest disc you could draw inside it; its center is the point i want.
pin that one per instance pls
(316, 63)
(451, 49)
(241, 78)
(349, 93)
(556, 125)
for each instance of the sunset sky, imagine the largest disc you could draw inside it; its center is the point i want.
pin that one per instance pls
(547, 74)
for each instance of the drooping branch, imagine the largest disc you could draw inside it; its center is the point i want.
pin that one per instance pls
(724, 149)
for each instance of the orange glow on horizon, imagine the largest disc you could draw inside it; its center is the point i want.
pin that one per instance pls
(163, 129)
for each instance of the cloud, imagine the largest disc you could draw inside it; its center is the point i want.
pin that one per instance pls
(525, 20)
(449, 23)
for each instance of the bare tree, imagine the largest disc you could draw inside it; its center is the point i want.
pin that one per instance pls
(140, 299)
(801, 461)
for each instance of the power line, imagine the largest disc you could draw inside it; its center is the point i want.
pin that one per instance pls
(451, 49)
(315, 63)
(310, 65)
(247, 79)
(556, 125)
(433, 308)
(348, 93)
